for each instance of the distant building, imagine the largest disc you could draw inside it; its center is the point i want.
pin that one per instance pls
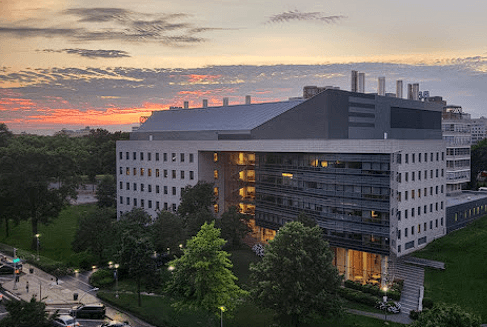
(77, 133)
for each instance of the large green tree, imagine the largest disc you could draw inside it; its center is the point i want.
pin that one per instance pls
(95, 233)
(296, 277)
(168, 233)
(106, 192)
(27, 314)
(134, 247)
(446, 315)
(202, 277)
(196, 206)
(234, 226)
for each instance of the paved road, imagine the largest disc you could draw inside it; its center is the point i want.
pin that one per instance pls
(59, 296)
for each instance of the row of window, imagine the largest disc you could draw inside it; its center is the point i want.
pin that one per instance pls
(149, 188)
(410, 245)
(418, 211)
(157, 172)
(173, 206)
(417, 193)
(419, 174)
(418, 228)
(458, 151)
(165, 156)
(420, 157)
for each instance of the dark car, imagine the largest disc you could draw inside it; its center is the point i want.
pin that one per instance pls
(115, 324)
(89, 311)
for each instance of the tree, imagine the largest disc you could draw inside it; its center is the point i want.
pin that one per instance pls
(202, 277)
(106, 193)
(479, 161)
(196, 206)
(95, 233)
(446, 315)
(296, 277)
(5, 135)
(27, 314)
(234, 226)
(306, 220)
(168, 233)
(135, 246)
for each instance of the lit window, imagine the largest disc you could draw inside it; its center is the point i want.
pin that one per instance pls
(127, 171)
(216, 208)
(215, 191)
(149, 172)
(287, 175)
(215, 174)
(215, 156)
(142, 170)
(157, 173)
(135, 171)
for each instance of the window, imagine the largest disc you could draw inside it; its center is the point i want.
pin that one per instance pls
(431, 156)
(425, 209)
(412, 176)
(399, 249)
(120, 155)
(142, 170)
(134, 156)
(412, 194)
(142, 156)
(425, 192)
(412, 230)
(215, 157)
(157, 205)
(173, 191)
(149, 188)
(149, 172)
(191, 157)
(419, 211)
(441, 222)
(419, 193)
(165, 189)
(127, 186)
(215, 191)
(142, 203)
(135, 186)
(135, 171)
(437, 173)
(419, 175)
(399, 234)
(128, 200)
(149, 204)
(165, 205)
(173, 174)
(182, 174)
(413, 157)
(157, 173)
(425, 174)
(149, 155)
(121, 185)
(431, 190)
(191, 174)
(406, 158)
(431, 173)
(120, 169)
(173, 157)
(157, 188)
(442, 172)
(431, 207)
(182, 157)
(436, 223)
(135, 202)
(165, 173)
(443, 156)
(142, 187)
(406, 213)
(441, 188)
(431, 224)
(436, 189)
(121, 200)
(127, 171)
(409, 245)
(425, 225)
(437, 156)
(398, 158)
(436, 206)
(412, 212)
(127, 156)
(405, 232)
(165, 156)
(399, 196)
(425, 157)
(174, 207)
(406, 177)
(215, 174)
(216, 208)
(399, 177)
(419, 157)
(441, 205)
(157, 156)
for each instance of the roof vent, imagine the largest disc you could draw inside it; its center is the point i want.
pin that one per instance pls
(186, 104)
(205, 103)
(225, 102)
(248, 99)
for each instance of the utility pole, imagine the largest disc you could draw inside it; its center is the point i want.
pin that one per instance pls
(15, 268)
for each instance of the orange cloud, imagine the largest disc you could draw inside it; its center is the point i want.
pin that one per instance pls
(14, 104)
(202, 79)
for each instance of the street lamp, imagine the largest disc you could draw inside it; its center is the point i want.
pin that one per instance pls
(37, 236)
(86, 292)
(384, 298)
(222, 308)
(116, 279)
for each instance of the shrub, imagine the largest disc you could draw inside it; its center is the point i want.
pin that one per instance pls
(102, 278)
(358, 296)
(427, 303)
(414, 314)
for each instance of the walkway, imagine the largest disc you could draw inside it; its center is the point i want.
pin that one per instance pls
(401, 318)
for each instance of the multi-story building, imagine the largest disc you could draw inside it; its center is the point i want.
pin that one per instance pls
(369, 169)
(458, 137)
(479, 129)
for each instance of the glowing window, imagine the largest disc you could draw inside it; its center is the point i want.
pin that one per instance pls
(216, 208)
(324, 163)
(215, 174)
(215, 156)
(127, 171)
(215, 191)
(288, 175)
(149, 172)
(142, 170)
(135, 171)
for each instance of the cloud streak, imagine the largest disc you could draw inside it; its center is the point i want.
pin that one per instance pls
(92, 54)
(296, 15)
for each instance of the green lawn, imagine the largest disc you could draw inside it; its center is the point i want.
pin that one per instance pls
(55, 238)
(464, 280)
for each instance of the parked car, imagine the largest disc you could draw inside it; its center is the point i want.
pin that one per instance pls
(65, 321)
(115, 324)
(89, 311)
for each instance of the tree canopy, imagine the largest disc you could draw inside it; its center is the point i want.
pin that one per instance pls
(234, 226)
(446, 315)
(202, 277)
(27, 314)
(296, 277)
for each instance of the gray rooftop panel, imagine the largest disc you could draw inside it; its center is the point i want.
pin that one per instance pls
(227, 118)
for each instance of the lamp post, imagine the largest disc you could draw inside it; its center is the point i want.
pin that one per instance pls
(37, 236)
(116, 279)
(86, 292)
(222, 308)
(385, 302)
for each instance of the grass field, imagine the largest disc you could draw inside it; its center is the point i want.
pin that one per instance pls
(464, 280)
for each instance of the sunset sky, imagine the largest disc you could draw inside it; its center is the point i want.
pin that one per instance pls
(75, 63)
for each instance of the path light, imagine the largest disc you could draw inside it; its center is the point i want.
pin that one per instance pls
(37, 236)
(222, 308)
(384, 298)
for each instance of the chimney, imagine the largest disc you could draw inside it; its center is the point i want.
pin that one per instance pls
(186, 104)
(354, 87)
(248, 99)
(399, 89)
(410, 91)
(381, 86)
(416, 91)
(225, 102)
(361, 82)
(205, 103)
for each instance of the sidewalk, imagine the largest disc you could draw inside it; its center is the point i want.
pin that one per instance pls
(61, 295)
(401, 318)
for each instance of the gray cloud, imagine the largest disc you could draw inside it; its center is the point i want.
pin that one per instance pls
(116, 24)
(92, 53)
(304, 16)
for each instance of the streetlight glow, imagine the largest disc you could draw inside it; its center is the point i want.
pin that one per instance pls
(37, 236)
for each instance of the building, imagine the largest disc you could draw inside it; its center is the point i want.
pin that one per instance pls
(479, 129)
(456, 126)
(369, 169)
